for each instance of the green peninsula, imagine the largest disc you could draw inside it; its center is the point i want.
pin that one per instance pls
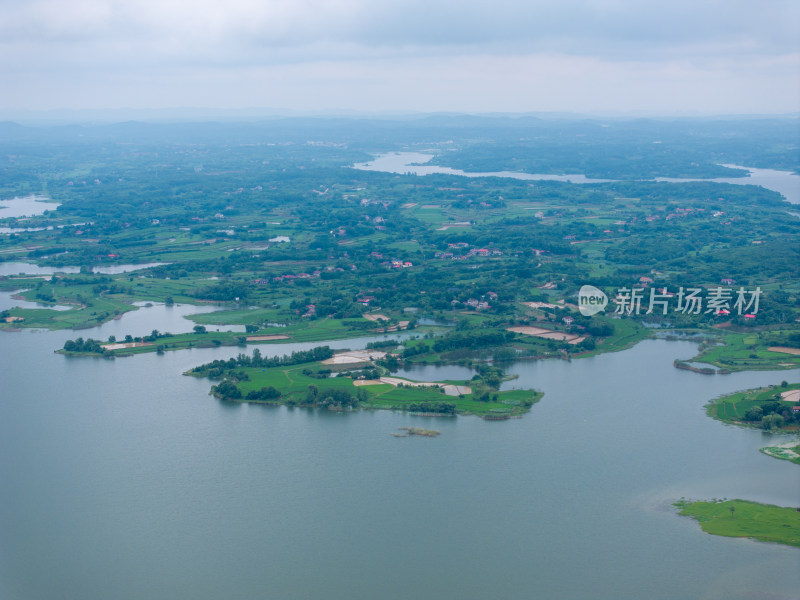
(741, 518)
(772, 408)
(359, 379)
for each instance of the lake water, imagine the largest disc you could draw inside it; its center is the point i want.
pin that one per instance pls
(26, 206)
(19, 268)
(7, 301)
(153, 315)
(27, 229)
(784, 182)
(435, 372)
(413, 163)
(124, 479)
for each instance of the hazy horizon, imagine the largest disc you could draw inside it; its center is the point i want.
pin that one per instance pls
(166, 115)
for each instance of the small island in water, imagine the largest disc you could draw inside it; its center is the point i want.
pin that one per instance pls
(349, 380)
(741, 518)
(773, 408)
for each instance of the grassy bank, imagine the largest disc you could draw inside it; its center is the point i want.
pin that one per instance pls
(741, 518)
(748, 408)
(295, 383)
(749, 352)
(790, 451)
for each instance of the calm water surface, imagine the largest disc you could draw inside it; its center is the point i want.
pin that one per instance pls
(124, 479)
(19, 268)
(784, 182)
(8, 301)
(435, 372)
(414, 163)
(26, 206)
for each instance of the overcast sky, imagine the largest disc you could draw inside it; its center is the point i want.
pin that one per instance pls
(667, 57)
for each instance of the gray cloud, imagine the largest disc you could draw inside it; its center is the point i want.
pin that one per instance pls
(570, 26)
(207, 38)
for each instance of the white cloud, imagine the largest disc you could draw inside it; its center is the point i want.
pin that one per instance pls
(283, 46)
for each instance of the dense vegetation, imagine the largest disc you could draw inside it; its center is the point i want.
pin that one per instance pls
(761, 407)
(80, 345)
(270, 219)
(256, 360)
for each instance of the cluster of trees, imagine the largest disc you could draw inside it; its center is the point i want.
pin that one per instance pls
(366, 373)
(772, 415)
(226, 390)
(80, 345)
(382, 344)
(471, 339)
(263, 394)
(444, 408)
(318, 374)
(490, 375)
(415, 350)
(789, 339)
(223, 291)
(333, 398)
(218, 367)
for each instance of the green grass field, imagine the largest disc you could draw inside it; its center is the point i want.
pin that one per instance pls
(746, 351)
(98, 311)
(741, 518)
(733, 407)
(784, 452)
(293, 385)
